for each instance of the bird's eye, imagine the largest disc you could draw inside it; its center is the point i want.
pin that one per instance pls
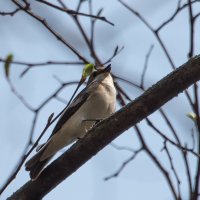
(94, 74)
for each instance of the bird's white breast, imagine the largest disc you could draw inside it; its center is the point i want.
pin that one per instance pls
(99, 105)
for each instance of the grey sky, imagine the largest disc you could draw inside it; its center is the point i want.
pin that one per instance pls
(29, 41)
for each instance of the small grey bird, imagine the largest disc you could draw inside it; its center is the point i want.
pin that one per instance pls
(96, 101)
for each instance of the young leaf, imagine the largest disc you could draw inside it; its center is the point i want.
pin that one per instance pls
(87, 70)
(192, 116)
(8, 60)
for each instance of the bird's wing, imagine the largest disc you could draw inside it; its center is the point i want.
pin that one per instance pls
(74, 106)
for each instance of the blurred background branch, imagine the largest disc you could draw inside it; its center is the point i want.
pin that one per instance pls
(164, 138)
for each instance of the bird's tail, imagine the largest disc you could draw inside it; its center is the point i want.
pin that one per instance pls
(35, 166)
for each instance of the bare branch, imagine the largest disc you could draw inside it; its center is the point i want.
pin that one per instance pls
(88, 42)
(30, 140)
(115, 53)
(110, 128)
(157, 162)
(132, 157)
(172, 167)
(191, 24)
(155, 32)
(177, 11)
(146, 65)
(43, 63)
(12, 13)
(184, 155)
(19, 96)
(47, 63)
(74, 13)
(127, 81)
(56, 34)
(182, 148)
(122, 148)
(196, 110)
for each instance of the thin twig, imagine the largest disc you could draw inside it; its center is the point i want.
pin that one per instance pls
(156, 33)
(115, 53)
(38, 64)
(193, 139)
(74, 13)
(50, 121)
(156, 161)
(191, 28)
(127, 81)
(11, 13)
(168, 122)
(196, 110)
(124, 164)
(56, 34)
(146, 65)
(176, 12)
(122, 147)
(173, 168)
(84, 35)
(19, 96)
(182, 148)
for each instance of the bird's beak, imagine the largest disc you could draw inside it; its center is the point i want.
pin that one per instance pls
(107, 69)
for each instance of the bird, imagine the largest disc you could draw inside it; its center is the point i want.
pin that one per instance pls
(96, 101)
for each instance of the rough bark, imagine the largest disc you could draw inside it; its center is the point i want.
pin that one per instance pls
(107, 130)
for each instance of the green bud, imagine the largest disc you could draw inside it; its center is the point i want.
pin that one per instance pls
(8, 60)
(192, 116)
(87, 70)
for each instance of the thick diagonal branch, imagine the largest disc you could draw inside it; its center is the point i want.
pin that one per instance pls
(107, 130)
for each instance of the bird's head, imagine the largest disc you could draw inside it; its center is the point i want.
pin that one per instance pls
(100, 74)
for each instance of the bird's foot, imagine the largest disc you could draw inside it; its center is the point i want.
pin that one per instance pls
(97, 120)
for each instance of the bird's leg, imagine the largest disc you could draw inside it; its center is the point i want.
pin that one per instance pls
(91, 125)
(97, 120)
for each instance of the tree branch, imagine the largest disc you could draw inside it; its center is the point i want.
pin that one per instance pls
(109, 129)
(51, 30)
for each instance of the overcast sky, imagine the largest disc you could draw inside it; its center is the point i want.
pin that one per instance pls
(29, 41)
